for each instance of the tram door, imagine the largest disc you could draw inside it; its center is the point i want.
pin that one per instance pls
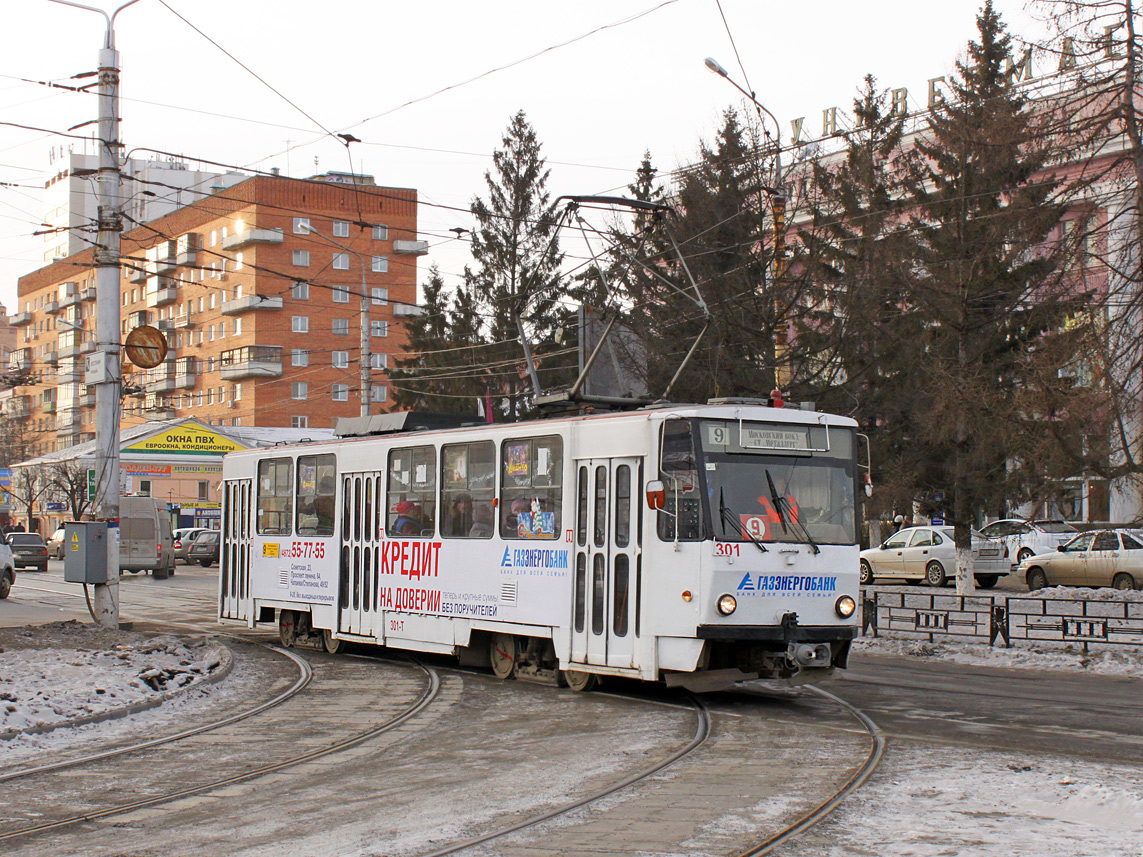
(234, 557)
(607, 553)
(358, 560)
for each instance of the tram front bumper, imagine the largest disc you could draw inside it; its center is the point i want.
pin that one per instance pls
(778, 633)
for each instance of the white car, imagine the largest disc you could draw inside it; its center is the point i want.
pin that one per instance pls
(1028, 538)
(7, 570)
(929, 554)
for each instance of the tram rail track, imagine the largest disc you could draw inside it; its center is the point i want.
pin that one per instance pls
(428, 694)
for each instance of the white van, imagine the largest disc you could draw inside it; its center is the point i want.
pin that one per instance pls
(145, 542)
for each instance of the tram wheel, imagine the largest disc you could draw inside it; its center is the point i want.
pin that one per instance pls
(502, 654)
(580, 681)
(334, 647)
(287, 628)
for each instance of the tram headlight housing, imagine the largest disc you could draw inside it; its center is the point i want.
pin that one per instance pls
(726, 604)
(845, 606)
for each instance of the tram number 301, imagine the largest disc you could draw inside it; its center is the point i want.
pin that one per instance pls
(727, 549)
(396, 624)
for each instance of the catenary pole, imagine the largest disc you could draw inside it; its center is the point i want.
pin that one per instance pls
(105, 373)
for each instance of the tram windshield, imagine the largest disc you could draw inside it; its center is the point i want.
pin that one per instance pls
(779, 482)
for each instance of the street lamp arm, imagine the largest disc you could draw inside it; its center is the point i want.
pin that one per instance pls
(713, 64)
(109, 41)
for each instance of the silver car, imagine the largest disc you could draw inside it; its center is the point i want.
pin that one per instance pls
(1098, 558)
(1028, 538)
(929, 554)
(183, 538)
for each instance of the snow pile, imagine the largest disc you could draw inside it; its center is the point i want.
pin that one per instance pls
(68, 673)
(1082, 593)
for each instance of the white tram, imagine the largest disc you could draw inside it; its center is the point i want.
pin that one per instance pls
(700, 544)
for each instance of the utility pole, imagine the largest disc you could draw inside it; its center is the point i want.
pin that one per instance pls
(104, 368)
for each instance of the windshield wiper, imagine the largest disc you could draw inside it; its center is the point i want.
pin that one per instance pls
(727, 514)
(778, 500)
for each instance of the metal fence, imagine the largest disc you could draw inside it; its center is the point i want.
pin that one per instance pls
(1008, 618)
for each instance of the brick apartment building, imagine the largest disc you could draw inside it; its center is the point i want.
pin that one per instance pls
(259, 302)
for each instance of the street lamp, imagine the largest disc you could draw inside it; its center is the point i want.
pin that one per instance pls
(106, 373)
(366, 357)
(777, 195)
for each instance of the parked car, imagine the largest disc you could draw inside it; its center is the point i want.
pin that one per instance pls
(205, 548)
(929, 554)
(1096, 558)
(7, 570)
(1028, 538)
(28, 550)
(184, 537)
(56, 544)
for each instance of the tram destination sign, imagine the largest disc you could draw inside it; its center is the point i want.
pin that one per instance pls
(772, 437)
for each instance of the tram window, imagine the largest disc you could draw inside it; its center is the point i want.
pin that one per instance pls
(622, 584)
(581, 508)
(600, 506)
(678, 468)
(317, 485)
(622, 506)
(412, 495)
(598, 594)
(275, 496)
(580, 590)
(531, 488)
(468, 488)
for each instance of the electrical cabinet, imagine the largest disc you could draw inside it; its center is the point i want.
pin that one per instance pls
(85, 551)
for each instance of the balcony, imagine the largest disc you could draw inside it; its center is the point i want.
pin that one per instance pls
(159, 412)
(87, 347)
(407, 310)
(185, 320)
(254, 236)
(71, 295)
(67, 422)
(252, 361)
(165, 258)
(85, 400)
(52, 358)
(20, 319)
(165, 384)
(136, 270)
(165, 324)
(186, 251)
(49, 407)
(185, 373)
(249, 304)
(411, 248)
(70, 351)
(162, 296)
(18, 406)
(87, 295)
(52, 307)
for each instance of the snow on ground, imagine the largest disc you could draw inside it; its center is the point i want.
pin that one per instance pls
(54, 674)
(926, 803)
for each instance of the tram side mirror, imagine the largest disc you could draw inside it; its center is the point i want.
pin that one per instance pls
(656, 495)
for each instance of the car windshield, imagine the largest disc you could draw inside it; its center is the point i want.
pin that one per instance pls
(756, 490)
(206, 538)
(25, 539)
(1055, 526)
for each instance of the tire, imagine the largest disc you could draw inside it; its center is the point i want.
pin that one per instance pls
(865, 575)
(334, 647)
(5, 586)
(1023, 555)
(287, 628)
(987, 581)
(160, 573)
(502, 655)
(1123, 581)
(580, 682)
(205, 563)
(1037, 579)
(935, 574)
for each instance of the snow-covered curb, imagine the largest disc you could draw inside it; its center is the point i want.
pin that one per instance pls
(58, 676)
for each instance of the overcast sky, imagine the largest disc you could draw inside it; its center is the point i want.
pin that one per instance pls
(429, 87)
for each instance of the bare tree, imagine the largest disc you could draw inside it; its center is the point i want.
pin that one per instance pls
(29, 485)
(68, 480)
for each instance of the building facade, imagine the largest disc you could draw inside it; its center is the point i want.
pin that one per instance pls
(257, 290)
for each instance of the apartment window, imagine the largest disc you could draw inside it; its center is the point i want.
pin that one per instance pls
(238, 262)
(212, 297)
(380, 233)
(203, 489)
(379, 328)
(210, 396)
(299, 422)
(221, 395)
(301, 291)
(236, 421)
(299, 357)
(210, 334)
(213, 237)
(378, 393)
(301, 226)
(380, 264)
(379, 361)
(341, 392)
(341, 229)
(341, 294)
(341, 261)
(237, 326)
(341, 326)
(300, 324)
(302, 258)
(222, 330)
(299, 390)
(380, 296)
(236, 392)
(145, 487)
(341, 360)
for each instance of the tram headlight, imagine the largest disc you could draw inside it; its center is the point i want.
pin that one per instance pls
(845, 606)
(727, 604)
